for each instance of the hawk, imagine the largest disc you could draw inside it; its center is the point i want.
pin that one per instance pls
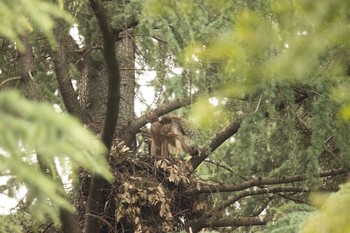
(170, 135)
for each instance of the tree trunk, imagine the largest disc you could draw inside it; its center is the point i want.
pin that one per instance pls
(126, 58)
(93, 89)
(126, 55)
(93, 92)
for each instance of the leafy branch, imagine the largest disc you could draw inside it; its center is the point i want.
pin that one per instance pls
(29, 128)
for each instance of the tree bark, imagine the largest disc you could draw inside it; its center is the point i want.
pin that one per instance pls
(28, 68)
(93, 89)
(126, 56)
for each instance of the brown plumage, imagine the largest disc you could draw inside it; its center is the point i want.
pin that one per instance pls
(157, 138)
(169, 136)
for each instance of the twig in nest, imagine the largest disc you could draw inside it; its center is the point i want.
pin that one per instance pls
(10, 79)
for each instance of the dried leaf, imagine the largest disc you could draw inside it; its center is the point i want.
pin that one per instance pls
(137, 220)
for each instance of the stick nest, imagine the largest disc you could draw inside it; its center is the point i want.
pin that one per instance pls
(147, 195)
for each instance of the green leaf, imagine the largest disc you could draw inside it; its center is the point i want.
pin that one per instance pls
(18, 17)
(333, 216)
(30, 128)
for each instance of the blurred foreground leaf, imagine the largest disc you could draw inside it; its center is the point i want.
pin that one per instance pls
(28, 129)
(20, 16)
(333, 216)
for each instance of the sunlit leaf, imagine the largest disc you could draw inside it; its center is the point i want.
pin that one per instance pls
(333, 215)
(345, 112)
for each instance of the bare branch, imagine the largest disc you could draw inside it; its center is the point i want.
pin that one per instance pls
(259, 182)
(64, 80)
(291, 198)
(260, 186)
(247, 193)
(197, 225)
(218, 164)
(10, 79)
(135, 126)
(213, 143)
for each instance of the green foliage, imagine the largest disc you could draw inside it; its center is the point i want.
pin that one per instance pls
(289, 218)
(333, 215)
(290, 223)
(16, 223)
(29, 130)
(254, 59)
(276, 42)
(270, 48)
(270, 54)
(342, 96)
(20, 16)
(180, 24)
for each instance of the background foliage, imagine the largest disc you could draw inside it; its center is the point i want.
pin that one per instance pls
(279, 68)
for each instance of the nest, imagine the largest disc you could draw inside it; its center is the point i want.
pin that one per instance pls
(148, 195)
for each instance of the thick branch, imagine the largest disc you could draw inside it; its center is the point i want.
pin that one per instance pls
(217, 140)
(196, 226)
(95, 200)
(62, 74)
(113, 72)
(135, 126)
(247, 193)
(259, 182)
